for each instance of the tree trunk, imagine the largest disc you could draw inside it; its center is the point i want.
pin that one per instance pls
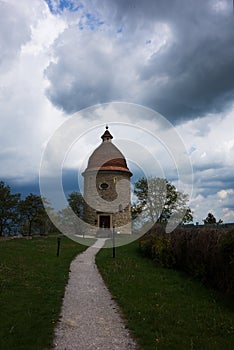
(1, 229)
(30, 228)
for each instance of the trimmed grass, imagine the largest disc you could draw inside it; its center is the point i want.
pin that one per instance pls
(165, 309)
(32, 284)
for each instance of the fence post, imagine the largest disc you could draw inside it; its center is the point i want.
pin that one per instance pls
(113, 242)
(58, 246)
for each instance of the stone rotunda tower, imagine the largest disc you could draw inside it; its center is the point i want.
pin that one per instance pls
(107, 189)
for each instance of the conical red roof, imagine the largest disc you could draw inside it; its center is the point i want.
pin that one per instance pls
(107, 157)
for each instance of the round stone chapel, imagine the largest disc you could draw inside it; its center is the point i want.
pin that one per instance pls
(107, 192)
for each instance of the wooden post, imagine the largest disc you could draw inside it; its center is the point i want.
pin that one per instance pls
(58, 247)
(113, 241)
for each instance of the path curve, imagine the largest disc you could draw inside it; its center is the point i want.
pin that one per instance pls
(89, 318)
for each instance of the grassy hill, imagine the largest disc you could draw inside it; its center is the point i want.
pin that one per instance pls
(166, 309)
(32, 284)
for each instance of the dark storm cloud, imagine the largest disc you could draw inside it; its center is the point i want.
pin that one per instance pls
(70, 181)
(188, 77)
(229, 206)
(198, 64)
(207, 166)
(199, 76)
(19, 185)
(219, 179)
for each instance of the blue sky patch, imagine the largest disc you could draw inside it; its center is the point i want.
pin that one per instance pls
(58, 6)
(88, 20)
(92, 22)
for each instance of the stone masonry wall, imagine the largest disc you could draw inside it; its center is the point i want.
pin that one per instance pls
(115, 199)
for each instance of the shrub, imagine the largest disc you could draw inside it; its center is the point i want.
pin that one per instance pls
(157, 245)
(227, 252)
(206, 253)
(162, 252)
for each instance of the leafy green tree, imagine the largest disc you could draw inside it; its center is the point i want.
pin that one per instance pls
(9, 215)
(66, 215)
(211, 219)
(158, 200)
(33, 213)
(76, 202)
(66, 218)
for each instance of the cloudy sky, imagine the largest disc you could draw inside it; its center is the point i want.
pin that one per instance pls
(174, 57)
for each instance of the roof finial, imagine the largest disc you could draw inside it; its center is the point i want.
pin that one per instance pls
(107, 136)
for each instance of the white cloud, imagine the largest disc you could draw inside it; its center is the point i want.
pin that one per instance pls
(27, 117)
(15, 31)
(221, 6)
(215, 146)
(227, 215)
(222, 194)
(212, 158)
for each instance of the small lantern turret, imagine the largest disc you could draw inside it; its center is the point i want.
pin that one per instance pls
(107, 137)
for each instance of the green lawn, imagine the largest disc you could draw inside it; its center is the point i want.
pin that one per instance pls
(165, 309)
(32, 283)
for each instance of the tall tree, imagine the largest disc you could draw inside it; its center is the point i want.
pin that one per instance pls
(9, 202)
(211, 219)
(33, 212)
(158, 200)
(66, 215)
(76, 202)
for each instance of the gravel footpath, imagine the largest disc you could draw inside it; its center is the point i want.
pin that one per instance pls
(89, 317)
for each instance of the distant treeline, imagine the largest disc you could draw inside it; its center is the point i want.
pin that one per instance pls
(22, 216)
(30, 215)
